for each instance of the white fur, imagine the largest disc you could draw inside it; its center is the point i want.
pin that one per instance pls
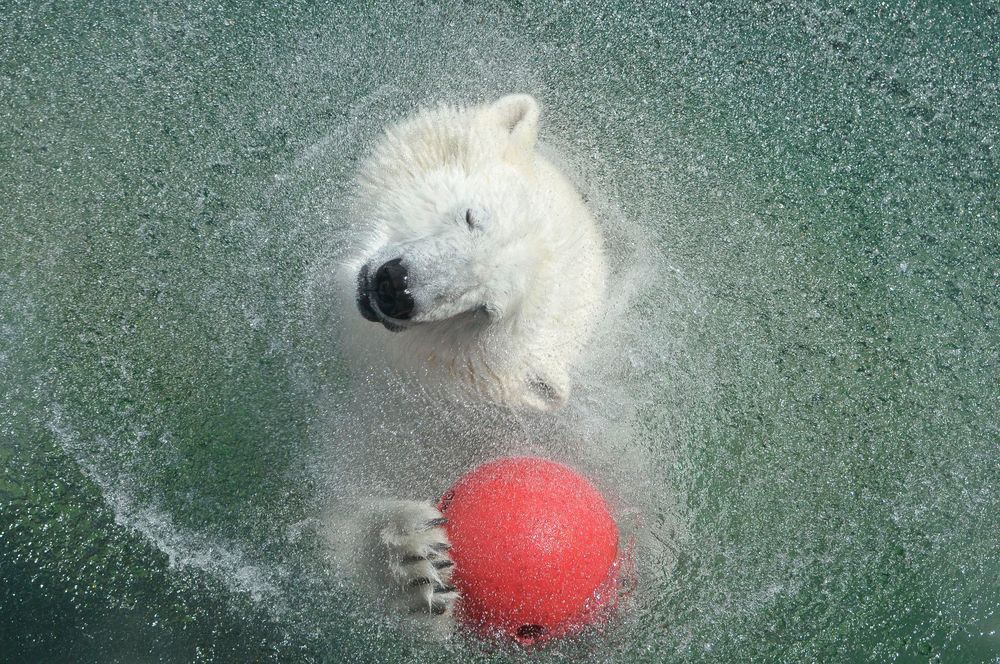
(505, 307)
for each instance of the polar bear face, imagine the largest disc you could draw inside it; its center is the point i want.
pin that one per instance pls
(462, 245)
(478, 254)
(461, 231)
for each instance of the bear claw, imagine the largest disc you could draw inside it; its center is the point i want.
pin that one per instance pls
(418, 562)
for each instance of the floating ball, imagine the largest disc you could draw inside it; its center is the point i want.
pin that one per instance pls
(534, 548)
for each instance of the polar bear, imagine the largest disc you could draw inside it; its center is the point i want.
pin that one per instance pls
(478, 272)
(483, 267)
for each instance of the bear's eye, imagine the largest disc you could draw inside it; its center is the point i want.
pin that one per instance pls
(477, 218)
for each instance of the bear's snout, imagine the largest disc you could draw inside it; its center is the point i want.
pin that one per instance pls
(385, 297)
(392, 295)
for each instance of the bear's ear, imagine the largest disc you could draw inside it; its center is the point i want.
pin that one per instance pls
(547, 392)
(516, 116)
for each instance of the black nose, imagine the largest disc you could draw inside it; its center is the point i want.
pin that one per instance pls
(391, 294)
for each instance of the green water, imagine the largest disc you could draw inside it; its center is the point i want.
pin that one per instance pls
(813, 360)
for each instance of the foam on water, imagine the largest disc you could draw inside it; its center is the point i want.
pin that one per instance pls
(184, 548)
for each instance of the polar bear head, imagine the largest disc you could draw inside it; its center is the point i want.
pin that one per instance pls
(467, 255)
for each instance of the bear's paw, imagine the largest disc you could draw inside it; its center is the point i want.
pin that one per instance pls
(420, 567)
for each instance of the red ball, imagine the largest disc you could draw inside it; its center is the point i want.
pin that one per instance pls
(534, 548)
